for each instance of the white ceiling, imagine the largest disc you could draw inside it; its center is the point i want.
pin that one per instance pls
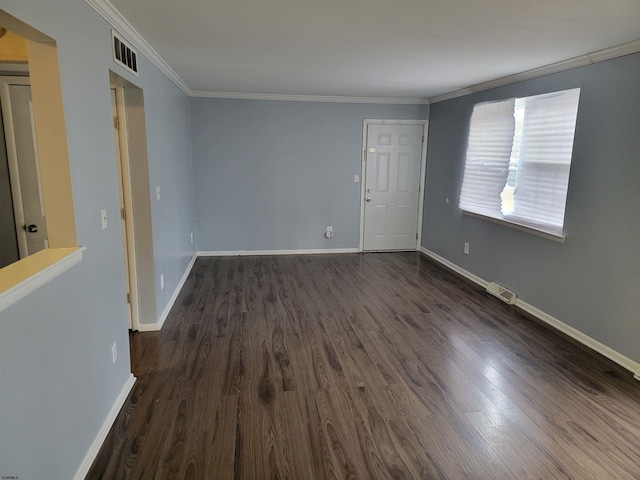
(371, 48)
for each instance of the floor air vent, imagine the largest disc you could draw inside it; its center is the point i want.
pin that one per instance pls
(124, 55)
(502, 293)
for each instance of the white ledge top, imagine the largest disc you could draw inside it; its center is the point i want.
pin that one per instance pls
(27, 275)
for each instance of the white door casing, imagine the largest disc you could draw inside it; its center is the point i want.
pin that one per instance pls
(393, 171)
(24, 166)
(124, 191)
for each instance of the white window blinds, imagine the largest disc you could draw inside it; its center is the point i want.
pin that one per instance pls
(545, 159)
(491, 133)
(518, 171)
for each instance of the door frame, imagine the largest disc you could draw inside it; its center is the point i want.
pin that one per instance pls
(133, 149)
(363, 170)
(12, 159)
(124, 185)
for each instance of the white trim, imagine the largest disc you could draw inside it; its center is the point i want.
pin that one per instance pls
(107, 11)
(593, 344)
(363, 170)
(568, 330)
(248, 253)
(517, 226)
(423, 174)
(35, 271)
(91, 454)
(155, 327)
(117, 21)
(454, 267)
(310, 98)
(581, 61)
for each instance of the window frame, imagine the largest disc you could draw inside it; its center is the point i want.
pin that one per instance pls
(493, 139)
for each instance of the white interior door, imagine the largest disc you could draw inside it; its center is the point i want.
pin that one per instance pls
(24, 167)
(392, 186)
(124, 186)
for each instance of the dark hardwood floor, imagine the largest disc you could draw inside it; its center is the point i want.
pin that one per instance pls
(374, 366)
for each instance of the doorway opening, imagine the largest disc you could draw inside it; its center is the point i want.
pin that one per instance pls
(129, 130)
(392, 192)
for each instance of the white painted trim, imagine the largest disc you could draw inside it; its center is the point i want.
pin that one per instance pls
(155, 327)
(423, 174)
(363, 170)
(454, 267)
(311, 98)
(35, 270)
(517, 226)
(104, 429)
(572, 332)
(117, 21)
(249, 253)
(581, 61)
(579, 336)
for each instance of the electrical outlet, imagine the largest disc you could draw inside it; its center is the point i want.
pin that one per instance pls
(162, 281)
(466, 248)
(103, 218)
(114, 352)
(329, 232)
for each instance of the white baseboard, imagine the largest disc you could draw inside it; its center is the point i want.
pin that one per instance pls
(155, 327)
(586, 340)
(247, 253)
(452, 266)
(91, 454)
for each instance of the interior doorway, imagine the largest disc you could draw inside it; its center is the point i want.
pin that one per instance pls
(394, 156)
(129, 130)
(23, 165)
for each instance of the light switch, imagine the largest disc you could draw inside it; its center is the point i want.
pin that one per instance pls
(157, 193)
(356, 178)
(103, 217)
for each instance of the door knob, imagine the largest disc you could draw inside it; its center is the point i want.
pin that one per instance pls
(33, 228)
(368, 199)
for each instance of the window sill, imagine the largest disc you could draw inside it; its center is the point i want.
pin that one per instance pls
(522, 228)
(27, 275)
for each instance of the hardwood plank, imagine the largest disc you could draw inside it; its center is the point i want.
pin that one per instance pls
(374, 366)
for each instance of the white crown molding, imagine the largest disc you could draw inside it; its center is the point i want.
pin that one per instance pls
(591, 58)
(310, 98)
(117, 21)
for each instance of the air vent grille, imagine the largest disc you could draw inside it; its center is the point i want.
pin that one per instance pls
(124, 55)
(502, 293)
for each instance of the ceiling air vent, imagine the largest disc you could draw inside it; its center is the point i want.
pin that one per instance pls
(124, 55)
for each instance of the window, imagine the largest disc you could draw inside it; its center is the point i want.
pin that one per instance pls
(518, 160)
(34, 104)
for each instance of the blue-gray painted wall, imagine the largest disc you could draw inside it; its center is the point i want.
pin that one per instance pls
(592, 282)
(271, 175)
(57, 382)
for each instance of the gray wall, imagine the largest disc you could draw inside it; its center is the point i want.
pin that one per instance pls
(271, 175)
(592, 281)
(57, 382)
